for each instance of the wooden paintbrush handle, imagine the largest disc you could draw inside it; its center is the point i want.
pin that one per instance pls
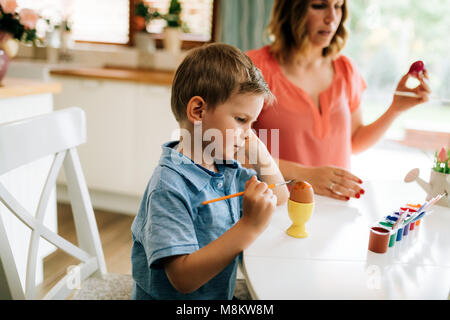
(232, 195)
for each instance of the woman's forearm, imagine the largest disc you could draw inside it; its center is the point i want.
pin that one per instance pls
(292, 170)
(366, 136)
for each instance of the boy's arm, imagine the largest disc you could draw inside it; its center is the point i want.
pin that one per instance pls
(189, 272)
(259, 159)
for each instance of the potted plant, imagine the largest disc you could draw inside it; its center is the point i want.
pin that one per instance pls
(172, 32)
(15, 27)
(143, 14)
(441, 160)
(439, 178)
(440, 175)
(58, 40)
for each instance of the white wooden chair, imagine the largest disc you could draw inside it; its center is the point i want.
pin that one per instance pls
(22, 142)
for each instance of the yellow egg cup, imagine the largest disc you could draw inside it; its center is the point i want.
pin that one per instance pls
(299, 213)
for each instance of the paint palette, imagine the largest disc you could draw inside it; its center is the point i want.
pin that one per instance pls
(396, 226)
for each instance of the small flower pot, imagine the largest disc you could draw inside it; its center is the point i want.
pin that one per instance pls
(172, 40)
(144, 41)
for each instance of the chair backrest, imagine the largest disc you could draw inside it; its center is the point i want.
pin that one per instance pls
(24, 141)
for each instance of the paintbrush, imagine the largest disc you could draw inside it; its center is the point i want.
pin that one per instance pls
(431, 202)
(270, 186)
(427, 205)
(400, 219)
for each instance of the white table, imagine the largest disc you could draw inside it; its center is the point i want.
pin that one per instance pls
(334, 261)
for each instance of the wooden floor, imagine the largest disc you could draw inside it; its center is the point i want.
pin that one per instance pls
(115, 235)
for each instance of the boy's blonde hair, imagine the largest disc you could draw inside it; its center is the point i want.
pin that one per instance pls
(287, 27)
(215, 72)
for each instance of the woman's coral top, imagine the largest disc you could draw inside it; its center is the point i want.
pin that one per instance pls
(306, 135)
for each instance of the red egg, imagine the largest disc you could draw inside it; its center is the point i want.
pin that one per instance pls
(416, 68)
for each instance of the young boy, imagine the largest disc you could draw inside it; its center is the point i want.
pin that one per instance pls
(183, 249)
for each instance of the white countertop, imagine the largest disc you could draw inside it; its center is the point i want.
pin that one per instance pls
(17, 87)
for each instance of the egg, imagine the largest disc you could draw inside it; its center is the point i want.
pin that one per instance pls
(416, 68)
(302, 192)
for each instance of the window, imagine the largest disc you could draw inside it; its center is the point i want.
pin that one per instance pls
(97, 21)
(101, 21)
(108, 21)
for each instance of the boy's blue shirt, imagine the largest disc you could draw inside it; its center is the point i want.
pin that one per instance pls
(172, 221)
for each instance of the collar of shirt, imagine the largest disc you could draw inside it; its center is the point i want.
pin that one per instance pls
(198, 175)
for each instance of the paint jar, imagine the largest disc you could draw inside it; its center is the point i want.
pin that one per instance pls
(394, 215)
(419, 218)
(392, 238)
(386, 224)
(391, 219)
(378, 239)
(405, 230)
(399, 234)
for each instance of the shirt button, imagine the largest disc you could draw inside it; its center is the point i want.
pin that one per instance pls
(219, 185)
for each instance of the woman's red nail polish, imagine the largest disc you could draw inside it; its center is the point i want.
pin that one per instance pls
(362, 191)
(347, 198)
(360, 181)
(357, 196)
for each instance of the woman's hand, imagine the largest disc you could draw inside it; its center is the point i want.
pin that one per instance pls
(401, 103)
(334, 182)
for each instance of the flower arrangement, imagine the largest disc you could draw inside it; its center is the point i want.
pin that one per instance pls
(173, 16)
(19, 26)
(441, 160)
(142, 15)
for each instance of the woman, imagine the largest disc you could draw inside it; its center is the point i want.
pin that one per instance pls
(318, 94)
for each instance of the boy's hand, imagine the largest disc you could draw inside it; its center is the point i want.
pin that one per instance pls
(258, 205)
(254, 147)
(258, 157)
(251, 146)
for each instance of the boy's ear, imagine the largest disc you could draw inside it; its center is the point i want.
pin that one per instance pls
(195, 109)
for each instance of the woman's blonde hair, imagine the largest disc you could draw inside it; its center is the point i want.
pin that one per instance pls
(287, 29)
